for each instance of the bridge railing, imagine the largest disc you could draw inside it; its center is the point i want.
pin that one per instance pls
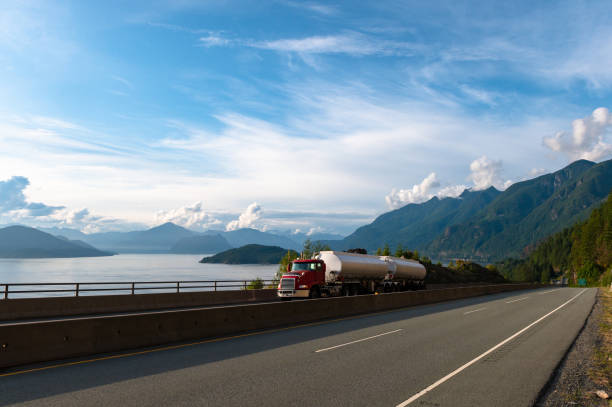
(25, 290)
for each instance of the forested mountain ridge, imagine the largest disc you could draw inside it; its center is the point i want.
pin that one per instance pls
(528, 212)
(583, 251)
(415, 225)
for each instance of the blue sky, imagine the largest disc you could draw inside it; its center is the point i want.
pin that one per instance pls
(286, 114)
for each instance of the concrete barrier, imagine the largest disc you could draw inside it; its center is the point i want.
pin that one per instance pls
(22, 343)
(25, 308)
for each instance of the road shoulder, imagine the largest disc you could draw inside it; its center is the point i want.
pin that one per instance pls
(587, 366)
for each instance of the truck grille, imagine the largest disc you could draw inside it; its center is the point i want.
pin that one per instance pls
(288, 284)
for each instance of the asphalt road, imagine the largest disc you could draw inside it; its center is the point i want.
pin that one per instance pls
(496, 350)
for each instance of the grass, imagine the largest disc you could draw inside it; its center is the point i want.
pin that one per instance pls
(601, 374)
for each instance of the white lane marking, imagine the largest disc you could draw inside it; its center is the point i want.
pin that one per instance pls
(520, 299)
(358, 340)
(550, 291)
(493, 349)
(476, 310)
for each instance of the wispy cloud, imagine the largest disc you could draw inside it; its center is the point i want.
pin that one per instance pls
(350, 43)
(320, 8)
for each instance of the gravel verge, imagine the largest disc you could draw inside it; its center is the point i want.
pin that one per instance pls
(574, 381)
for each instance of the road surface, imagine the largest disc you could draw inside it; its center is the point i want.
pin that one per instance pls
(496, 350)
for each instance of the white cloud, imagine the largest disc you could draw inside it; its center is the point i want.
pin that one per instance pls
(417, 194)
(190, 216)
(311, 6)
(213, 40)
(451, 191)
(486, 173)
(247, 218)
(587, 140)
(11, 194)
(351, 43)
(14, 202)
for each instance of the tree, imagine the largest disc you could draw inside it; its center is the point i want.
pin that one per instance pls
(386, 251)
(282, 267)
(399, 252)
(379, 252)
(312, 248)
(256, 284)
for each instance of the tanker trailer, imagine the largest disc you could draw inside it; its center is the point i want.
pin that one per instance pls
(332, 273)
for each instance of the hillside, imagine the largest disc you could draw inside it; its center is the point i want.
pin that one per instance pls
(201, 244)
(415, 225)
(462, 272)
(249, 254)
(527, 212)
(25, 242)
(583, 251)
(246, 236)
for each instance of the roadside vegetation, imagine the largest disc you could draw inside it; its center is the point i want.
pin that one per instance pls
(601, 374)
(581, 252)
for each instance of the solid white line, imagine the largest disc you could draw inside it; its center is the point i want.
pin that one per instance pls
(551, 291)
(476, 310)
(358, 340)
(476, 359)
(520, 299)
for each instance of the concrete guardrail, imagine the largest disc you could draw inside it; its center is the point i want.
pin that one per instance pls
(22, 343)
(24, 308)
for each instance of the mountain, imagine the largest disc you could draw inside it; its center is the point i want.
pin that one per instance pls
(415, 225)
(25, 242)
(583, 251)
(242, 237)
(171, 238)
(300, 237)
(489, 225)
(249, 254)
(155, 240)
(71, 234)
(527, 212)
(201, 244)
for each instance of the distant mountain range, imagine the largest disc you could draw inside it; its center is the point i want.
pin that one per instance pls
(485, 225)
(171, 238)
(489, 225)
(25, 242)
(249, 254)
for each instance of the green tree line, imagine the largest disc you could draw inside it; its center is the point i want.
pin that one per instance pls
(583, 251)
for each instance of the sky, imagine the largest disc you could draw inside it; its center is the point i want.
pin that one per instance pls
(289, 115)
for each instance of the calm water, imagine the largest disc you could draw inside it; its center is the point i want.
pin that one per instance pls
(125, 267)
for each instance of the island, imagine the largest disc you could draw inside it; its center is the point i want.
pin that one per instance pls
(249, 254)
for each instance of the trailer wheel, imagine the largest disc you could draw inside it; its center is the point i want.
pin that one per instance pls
(314, 292)
(285, 298)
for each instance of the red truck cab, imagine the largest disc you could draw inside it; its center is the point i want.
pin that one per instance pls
(304, 278)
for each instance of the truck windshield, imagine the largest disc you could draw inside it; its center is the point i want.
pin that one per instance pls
(303, 266)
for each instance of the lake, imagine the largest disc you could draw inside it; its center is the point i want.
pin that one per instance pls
(125, 267)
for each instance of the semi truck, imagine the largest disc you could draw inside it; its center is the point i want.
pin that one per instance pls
(335, 273)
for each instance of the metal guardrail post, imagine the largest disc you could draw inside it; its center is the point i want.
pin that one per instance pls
(178, 286)
(245, 285)
(133, 287)
(77, 290)
(216, 286)
(6, 289)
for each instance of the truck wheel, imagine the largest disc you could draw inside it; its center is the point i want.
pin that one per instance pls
(314, 292)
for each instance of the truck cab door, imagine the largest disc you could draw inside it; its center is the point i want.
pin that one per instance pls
(320, 273)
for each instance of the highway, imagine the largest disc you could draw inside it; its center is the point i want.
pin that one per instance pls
(496, 350)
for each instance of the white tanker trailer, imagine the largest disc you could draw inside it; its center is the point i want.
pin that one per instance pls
(332, 273)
